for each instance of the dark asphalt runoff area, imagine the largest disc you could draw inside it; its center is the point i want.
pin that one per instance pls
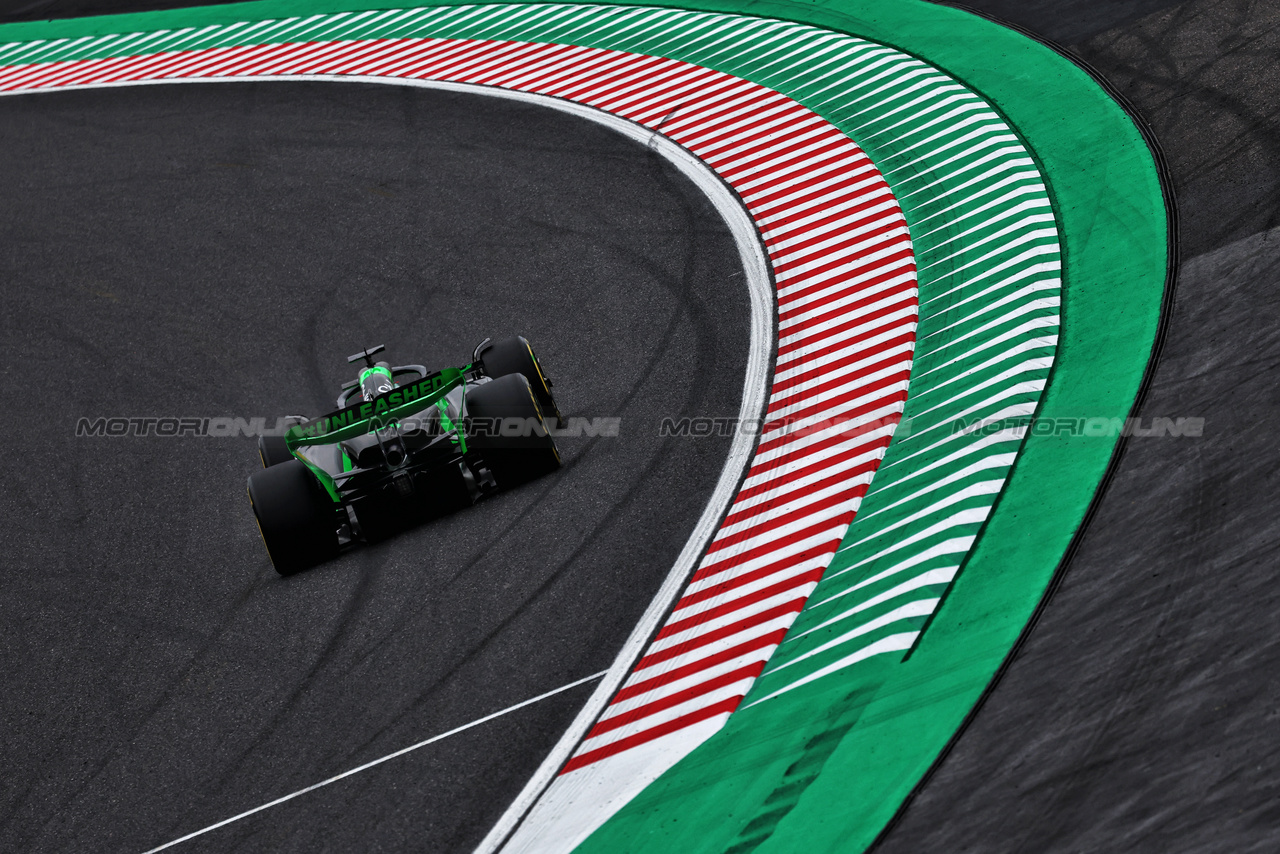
(155, 692)
(217, 250)
(1142, 714)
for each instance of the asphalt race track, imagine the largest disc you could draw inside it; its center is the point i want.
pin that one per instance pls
(211, 250)
(217, 250)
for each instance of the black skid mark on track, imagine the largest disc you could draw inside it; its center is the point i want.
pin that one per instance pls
(307, 353)
(546, 486)
(688, 309)
(605, 525)
(1195, 74)
(512, 617)
(342, 623)
(1162, 605)
(216, 709)
(1138, 717)
(114, 753)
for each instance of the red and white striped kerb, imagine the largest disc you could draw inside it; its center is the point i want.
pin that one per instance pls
(846, 298)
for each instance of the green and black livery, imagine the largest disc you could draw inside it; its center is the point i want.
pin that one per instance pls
(405, 445)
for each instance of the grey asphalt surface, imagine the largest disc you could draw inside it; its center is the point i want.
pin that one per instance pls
(217, 250)
(1140, 715)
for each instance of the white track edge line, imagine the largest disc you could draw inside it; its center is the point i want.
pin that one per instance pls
(759, 360)
(366, 766)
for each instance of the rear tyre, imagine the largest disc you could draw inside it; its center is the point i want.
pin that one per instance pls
(295, 516)
(505, 425)
(273, 451)
(515, 356)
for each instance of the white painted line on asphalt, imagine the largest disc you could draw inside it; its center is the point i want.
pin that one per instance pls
(759, 363)
(401, 752)
(760, 289)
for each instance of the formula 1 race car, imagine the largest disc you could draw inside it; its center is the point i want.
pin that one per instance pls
(405, 445)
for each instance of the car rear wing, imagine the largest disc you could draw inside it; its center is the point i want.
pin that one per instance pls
(366, 415)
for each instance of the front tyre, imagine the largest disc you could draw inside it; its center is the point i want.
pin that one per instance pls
(515, 356)
(295, 517)
(273, 451)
